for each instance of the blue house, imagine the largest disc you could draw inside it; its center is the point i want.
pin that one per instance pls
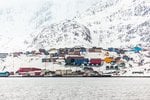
(137, 49)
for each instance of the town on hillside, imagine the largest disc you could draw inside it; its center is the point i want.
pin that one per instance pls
(77, 62)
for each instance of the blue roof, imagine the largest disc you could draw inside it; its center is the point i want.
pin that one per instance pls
(137, 49)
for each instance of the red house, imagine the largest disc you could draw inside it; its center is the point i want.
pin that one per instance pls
(29, 71)
(95, 61)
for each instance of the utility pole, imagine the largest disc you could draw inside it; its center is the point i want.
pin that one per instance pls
(13, 62)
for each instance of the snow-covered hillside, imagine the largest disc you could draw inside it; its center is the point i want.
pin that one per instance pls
(108, 23)
(65, 34)
(20, 18)
(119, 22)
(127, 63)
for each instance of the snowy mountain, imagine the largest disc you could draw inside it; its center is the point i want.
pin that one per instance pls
(15, 24)
(108, 23)
(63, 34)
(20, 18)
(113, 23)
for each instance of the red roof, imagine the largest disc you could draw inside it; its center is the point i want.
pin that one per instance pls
(27, 69)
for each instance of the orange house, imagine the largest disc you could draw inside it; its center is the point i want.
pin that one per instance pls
(108, 59)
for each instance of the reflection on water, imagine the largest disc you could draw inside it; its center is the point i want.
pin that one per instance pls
(75, 88)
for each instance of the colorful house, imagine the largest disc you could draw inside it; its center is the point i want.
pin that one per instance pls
(108, 59)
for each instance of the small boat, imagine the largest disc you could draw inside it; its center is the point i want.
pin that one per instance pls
(4, 74)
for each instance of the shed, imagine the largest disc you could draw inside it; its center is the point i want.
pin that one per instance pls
(3, 55)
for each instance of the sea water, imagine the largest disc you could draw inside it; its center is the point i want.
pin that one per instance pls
(74, 88)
